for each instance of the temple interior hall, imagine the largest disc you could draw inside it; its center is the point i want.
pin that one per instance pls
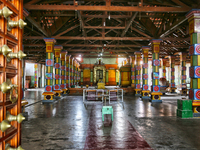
(99, 74)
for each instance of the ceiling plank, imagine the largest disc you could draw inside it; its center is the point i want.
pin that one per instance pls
(129, 24)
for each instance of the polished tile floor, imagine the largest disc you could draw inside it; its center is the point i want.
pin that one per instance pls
(69, 124)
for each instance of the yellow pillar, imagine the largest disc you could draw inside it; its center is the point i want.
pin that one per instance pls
(49, 93)
(145, 86)
(155, 94)
(138, 89)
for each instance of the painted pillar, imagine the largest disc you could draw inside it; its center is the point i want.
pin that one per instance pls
(36, 75)
(91, 77)
(74, 72)
(138, 74)
(48, 93)
(164, 62)
(68, 71)
(106, 76)
(71, 71)
(172, 63)
(63, 72)
(57, 65)
(145, 86)
(194, 52)
(183, 58)
(81, 77)
(155, 94)
(132, 61)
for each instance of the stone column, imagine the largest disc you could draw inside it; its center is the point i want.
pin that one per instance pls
(164, 62)
(155, 94)
(63, 73)
(145, 86)
(194, 52)
(138, 74)
(68, 71)
(183, 58)
(48, 93)
(172, 63)
(57, 89)
(132, 62)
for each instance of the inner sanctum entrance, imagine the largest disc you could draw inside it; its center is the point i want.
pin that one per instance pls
(99, 74)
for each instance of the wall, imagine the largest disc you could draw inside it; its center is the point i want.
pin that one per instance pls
(94, 60)
(29, 69)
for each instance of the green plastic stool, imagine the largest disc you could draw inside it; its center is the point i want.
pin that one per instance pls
(107, 110)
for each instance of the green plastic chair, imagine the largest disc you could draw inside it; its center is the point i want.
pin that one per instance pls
(107, 110)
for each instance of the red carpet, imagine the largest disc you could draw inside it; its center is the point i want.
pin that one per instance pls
(117, 135)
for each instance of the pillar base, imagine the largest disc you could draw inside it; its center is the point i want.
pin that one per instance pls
(146, 98)
(145, 94)
(196, 115)
(57, 94)
(138, 92)
(184, 92)
(48, 97)
(65, 92)
(155, 97)
(48, 101)
(172, 90)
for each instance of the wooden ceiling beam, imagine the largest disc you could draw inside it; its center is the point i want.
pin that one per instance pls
(173, 27)
(140, 32)
(37, 25)
(81, 50)
(129, 24)
(106, 8)
(180, 3)
(99, 45)
(101, 27)
(71, 28)
(105, 38)
(82, 24)
(90, 38)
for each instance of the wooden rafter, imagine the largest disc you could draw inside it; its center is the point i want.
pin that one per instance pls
(129, 24)
(82, 24)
